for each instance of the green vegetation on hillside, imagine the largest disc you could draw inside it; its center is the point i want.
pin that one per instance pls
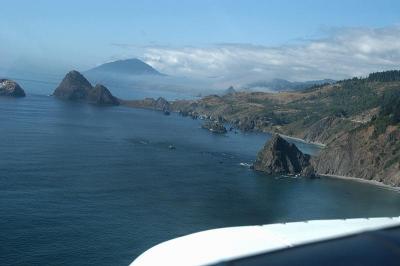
(391, 106)
(386, 76)
(389, 113)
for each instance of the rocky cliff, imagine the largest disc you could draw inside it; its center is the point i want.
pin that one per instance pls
(370, 151)
(10, 88)
(360, 154)
(75, 87)
(281, 157)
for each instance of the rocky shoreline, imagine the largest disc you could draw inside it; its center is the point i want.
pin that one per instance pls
(365, 181)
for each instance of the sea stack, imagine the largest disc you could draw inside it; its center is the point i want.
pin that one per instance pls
(281, 157)
(11, 88)
(75, 87)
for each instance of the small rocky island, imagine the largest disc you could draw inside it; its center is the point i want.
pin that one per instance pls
(11, 88)
(75, 87)
(214, 127)
(281, 157)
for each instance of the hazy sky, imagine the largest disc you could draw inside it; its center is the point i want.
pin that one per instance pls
(205, 38)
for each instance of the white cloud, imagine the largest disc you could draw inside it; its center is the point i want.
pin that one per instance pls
(344, 53)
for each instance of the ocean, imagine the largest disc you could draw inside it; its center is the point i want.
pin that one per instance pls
(88, 185)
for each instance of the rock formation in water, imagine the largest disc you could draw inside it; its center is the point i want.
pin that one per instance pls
(75, 87)
(215, 127)
(10, 88)
(281, 157)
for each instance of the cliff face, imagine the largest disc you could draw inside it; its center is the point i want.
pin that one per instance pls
(360, 153)
(10, 88)
(281, 157)
(371, 150)
(327, 129)
(75, 87)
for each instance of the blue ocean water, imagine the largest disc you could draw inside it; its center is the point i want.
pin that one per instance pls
(85, 185)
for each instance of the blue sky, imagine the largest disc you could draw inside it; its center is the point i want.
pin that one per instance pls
(79, 34)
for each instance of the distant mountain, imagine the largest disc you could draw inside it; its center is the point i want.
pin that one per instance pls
(125, 67)
(285, 85)
(133, 78)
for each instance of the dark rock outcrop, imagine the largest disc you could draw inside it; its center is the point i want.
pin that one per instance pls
(10, 88)
(101, 95)
(214, 127)
(281, 157)
(162, 104)
(75, 87)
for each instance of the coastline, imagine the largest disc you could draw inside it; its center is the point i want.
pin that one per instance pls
(318, 144)
(125, 103)
(365, 181)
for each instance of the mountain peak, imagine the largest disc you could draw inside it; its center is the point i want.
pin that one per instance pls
(74, 76)
(132, 66)
(73, 81)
